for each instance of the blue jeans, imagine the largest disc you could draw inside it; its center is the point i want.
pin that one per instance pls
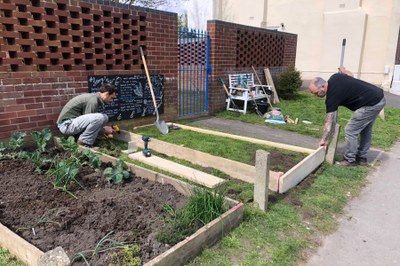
(87, 126)
(361, 123)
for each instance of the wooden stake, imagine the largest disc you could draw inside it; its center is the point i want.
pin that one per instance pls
(270, 82)
(261, 182)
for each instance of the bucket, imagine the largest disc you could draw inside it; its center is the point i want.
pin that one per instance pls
(262, 106)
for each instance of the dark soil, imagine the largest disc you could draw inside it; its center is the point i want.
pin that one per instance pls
(132, 210)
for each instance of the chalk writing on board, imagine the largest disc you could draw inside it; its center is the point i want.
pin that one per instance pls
(134, 97)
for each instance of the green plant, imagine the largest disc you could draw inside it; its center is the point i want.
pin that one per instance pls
(7, 259)
(44, 219)
(288, 83)
(65, 172)
(118, 174)
(37, 157)
(84, 157)
(9, 149)
(203, 207)
(105, 244)
(130, 256)
(41, 138)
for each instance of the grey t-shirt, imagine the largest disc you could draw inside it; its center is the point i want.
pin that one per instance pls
(86, 103)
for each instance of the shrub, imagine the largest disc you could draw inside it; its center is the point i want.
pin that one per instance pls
(288, 83)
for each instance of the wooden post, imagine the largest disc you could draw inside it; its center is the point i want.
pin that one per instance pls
(261, 181)
(382, 114)
(270, 82)
(330, 154)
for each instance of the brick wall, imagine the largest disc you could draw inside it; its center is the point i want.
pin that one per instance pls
(49, 48)
(235, 48)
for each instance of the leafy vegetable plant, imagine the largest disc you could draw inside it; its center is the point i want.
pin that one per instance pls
(9, 149)
(118, 174)
(41, 139)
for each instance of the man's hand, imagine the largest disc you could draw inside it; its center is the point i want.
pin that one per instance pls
(322, 143)
(343, 70)
(108, 130)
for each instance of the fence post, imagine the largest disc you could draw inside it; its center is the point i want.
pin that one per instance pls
(261, 181)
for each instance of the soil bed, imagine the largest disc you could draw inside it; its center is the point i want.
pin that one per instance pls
(132, 210)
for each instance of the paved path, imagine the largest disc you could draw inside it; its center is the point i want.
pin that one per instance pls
(368, 233)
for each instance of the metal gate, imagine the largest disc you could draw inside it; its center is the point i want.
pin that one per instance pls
(193, 71)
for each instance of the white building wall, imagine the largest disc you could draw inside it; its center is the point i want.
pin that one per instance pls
(371, 28)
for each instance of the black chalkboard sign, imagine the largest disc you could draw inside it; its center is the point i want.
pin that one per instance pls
(134, 97)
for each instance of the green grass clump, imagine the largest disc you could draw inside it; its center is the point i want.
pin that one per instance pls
(203, 207)
(7, 259)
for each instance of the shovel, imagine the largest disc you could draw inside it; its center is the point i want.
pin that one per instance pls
(161, 125)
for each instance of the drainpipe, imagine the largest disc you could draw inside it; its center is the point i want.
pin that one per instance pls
(265, 13)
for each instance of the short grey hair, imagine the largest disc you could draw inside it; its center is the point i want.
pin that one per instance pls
(319, 82)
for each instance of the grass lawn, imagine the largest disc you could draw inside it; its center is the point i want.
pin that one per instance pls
(294, 223)
(308, 107)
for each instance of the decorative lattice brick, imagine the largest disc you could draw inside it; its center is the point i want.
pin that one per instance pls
(89, 34)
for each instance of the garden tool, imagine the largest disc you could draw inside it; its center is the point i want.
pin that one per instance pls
(342, 54)
(146, 150)
(227, 92)
(116, 128)
(161, 125)
(265, 93)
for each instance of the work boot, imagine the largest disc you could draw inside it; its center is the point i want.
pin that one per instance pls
(361, 161)
(346, 163)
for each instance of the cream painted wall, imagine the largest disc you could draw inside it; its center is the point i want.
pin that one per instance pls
(371, 28)
(339, 25)
(241, 12)
(304, 18)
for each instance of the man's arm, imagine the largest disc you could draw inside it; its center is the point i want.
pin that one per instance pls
(343, 70)
(329, 120)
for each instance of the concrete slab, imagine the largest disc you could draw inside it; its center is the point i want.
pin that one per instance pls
(369, 232)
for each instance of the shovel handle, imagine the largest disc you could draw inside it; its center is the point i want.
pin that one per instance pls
(148, 78)
(342, 54)
(223, 84)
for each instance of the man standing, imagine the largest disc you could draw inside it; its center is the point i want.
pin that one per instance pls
(80, 116)
(364, 99)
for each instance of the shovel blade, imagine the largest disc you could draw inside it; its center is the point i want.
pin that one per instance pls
(162, 126)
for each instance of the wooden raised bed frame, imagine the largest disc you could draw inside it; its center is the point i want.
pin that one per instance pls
(177, 255)
(278, 181)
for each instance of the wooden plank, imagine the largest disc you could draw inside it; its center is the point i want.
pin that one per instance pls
(178, 169)
(252, 140)
(206, 236)
(270, 82)
(300, 171)
(19, 247)
(238, 170)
